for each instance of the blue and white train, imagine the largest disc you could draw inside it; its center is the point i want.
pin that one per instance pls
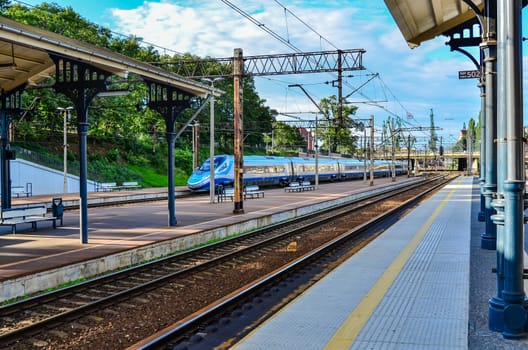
(280, 171)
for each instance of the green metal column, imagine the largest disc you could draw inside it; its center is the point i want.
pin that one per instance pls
(489, 188)
(508, 310)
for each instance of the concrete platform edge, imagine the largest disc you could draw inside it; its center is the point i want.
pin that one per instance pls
(189, 236)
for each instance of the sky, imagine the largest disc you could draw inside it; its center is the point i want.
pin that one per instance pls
(411, 82)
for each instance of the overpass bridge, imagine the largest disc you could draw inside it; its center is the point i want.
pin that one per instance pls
(404, 155)
(452, 160)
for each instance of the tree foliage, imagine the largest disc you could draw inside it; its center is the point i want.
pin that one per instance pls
(124, 122)
(287, 137)
(336, 133)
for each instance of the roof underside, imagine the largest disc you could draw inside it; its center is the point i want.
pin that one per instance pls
(25, 57)
(422, 20)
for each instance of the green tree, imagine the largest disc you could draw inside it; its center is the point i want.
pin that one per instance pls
(257, 118)
(64, 21)
(473, 133)
(287, 137)
(337, 134)
(125, 122)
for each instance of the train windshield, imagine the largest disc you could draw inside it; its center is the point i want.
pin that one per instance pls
(206, 165)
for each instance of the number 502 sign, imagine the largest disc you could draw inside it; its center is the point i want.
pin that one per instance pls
(469, 74)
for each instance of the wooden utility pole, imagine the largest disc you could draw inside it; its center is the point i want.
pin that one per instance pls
(238, 75)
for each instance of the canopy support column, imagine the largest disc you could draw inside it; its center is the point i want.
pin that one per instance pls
(508, 311)
(11, 106)
(169, 102)
(489, 50)
(80, 83)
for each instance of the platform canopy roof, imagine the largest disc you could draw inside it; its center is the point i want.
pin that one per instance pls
(422, 20)
(25, 57)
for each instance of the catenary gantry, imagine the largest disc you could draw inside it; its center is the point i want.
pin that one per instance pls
(30, 55)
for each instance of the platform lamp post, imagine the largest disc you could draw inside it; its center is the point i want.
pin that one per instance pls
(316, 142)
(211, 141)
(66, 116)
(364, 152)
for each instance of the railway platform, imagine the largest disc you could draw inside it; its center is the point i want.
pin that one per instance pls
(424, 284)
(408, 289)
(123, 235)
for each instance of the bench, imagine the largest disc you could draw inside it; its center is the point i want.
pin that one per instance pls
(253, 191)
(129, 185)
(106, 186)
(299, 187)
(25, 215)
(225, 193)
(293, 187)
(19, 191)
(307, 186)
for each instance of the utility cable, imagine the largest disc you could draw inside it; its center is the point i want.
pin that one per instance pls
(307, 25)
(261, 25)
(22, 3)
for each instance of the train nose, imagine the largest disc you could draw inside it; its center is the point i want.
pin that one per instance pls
(198, 181)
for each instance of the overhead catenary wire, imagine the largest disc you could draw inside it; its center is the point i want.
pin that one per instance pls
(286, 10)
(321, 37)
(286, 24)
(139, 40)
(261, 25)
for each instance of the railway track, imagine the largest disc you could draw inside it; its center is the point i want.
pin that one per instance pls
(178, 287)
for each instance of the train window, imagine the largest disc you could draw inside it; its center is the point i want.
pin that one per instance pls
(254, 170)
(206, 165)
(222, 167)
(218, 161)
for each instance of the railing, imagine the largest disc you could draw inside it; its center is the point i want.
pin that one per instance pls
(50, 162)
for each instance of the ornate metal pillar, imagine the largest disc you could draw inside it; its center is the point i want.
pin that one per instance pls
(169, 102)
(465, 36)
(508, 311)
(489, 50)
(11, 106)
(80, 82)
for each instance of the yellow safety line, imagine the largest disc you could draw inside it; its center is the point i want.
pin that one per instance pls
(349, 330)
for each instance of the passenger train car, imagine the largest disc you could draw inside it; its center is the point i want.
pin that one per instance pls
(281, 171)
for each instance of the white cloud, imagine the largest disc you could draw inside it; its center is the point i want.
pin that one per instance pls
(419, 79)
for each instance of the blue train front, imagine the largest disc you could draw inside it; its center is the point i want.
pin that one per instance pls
(199, 179)
(258, 170)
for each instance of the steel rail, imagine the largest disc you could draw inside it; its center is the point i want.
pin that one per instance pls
(182, 328)
(150, 285)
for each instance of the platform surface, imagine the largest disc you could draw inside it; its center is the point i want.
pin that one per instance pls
(396, 322)
(118, 228)
(408, 289)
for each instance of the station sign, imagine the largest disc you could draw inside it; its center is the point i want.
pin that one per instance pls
(469, 74)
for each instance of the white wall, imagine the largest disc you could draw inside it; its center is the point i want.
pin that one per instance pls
(44, 180)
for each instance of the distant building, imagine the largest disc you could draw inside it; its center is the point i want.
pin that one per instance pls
(308, 137)
(463, 137)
